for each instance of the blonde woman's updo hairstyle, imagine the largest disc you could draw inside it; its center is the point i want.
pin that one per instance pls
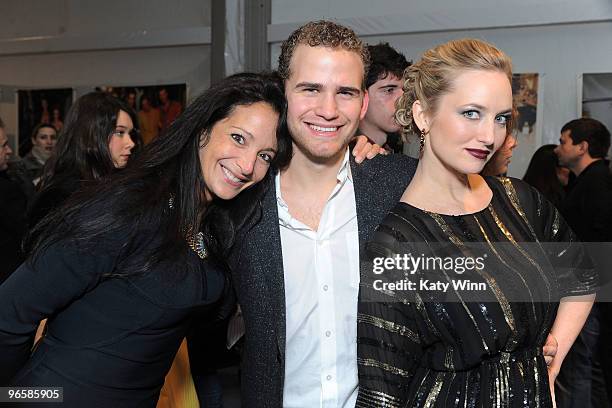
(434, 74)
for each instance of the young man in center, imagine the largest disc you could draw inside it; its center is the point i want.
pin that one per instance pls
(297, 271)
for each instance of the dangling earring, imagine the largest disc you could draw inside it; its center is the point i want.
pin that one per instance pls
(422, 140)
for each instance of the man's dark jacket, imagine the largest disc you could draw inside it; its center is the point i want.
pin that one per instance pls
(257, 272)
(588, 205)
(587, 208)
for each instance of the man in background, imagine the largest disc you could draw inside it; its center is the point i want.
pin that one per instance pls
(587, 208)
(384, 85)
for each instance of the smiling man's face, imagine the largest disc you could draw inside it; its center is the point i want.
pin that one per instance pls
(325, 100)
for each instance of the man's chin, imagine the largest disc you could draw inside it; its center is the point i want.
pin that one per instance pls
(324, 154)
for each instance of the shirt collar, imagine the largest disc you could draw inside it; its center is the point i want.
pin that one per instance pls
(344, 174)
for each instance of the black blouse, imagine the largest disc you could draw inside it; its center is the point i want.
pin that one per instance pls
(110, 340)
(468, 347)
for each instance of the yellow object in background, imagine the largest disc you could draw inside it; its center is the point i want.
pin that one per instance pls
(178, 390)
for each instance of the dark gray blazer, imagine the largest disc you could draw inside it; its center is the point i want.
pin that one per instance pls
(258, 277)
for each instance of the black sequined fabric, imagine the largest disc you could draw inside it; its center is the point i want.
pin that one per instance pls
(420, 351)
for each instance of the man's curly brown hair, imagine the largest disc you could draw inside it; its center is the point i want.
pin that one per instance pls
(322, 33)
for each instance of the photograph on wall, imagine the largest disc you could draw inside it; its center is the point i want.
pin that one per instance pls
(525, 98)
(156, 106)
(525, 95)
(40, 106)
(597, 97)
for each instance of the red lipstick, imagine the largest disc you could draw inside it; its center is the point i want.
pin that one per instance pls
(479, 154)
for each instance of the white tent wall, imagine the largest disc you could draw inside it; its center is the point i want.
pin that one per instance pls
(597, 97)
(559, 40)
(87, 69)
(484, 12)
(81, 44)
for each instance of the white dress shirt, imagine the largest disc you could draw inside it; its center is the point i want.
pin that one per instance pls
(321, 289)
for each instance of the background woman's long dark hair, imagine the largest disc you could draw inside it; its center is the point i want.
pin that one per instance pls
(135, 203)
(82, 148)
(82, 155)
(542, 174)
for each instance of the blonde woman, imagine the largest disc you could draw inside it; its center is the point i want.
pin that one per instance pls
(436, 347)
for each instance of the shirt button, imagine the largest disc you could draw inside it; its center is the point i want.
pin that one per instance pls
(325, 287)
(328, 333)
(329, 378)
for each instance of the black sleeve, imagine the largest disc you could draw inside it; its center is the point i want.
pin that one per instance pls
(575, 271)
(597, 211)
(37, 290)
(388, 341)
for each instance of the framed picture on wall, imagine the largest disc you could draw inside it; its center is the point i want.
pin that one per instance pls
(36, 106)
(157, 106)
(525, 99)
(596, 101)
(525, 95)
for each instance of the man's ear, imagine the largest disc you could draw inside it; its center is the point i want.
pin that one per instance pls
(583, 147)
(364, 106)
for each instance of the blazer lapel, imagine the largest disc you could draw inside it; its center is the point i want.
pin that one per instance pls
(272, 265)
(368, 207)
